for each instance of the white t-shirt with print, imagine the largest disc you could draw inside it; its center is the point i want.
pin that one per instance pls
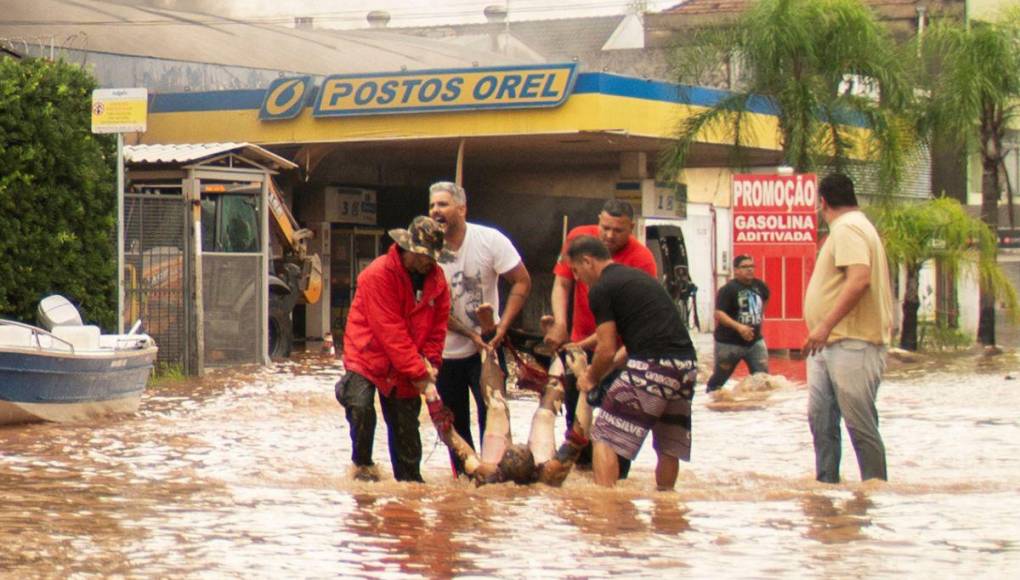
(473, 275)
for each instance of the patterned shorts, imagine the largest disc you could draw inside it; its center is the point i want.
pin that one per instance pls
(649, 395)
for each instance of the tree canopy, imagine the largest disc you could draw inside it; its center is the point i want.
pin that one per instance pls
(57, 193)
(803, 57)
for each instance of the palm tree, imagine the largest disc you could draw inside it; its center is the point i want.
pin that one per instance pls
(798, 56)
(971, 74)
(941, 230)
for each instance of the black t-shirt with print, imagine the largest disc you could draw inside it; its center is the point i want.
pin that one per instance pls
(746, 305)
(646, 318)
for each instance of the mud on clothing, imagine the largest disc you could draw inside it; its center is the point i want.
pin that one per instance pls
(744, 303)
(655, 390)
(357, 395)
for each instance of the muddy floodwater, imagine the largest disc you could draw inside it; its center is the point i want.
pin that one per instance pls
(245, 473)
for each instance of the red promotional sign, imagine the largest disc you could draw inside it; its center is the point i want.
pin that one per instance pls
(775, 221)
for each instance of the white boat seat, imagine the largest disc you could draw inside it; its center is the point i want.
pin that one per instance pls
(16, 336)
(81, 337)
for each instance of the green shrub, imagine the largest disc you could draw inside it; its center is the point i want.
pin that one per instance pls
(57, 193)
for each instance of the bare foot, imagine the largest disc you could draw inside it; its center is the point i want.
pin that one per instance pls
(553, 473)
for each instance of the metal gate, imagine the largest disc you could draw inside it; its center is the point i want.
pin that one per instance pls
(155, 270)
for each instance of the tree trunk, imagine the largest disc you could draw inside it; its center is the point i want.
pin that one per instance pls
(911, 303)
(990, 195)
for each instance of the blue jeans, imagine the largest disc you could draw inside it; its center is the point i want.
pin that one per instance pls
(728, 356)
(843, 382)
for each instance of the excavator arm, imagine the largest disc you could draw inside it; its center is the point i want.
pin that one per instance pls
(294, 241)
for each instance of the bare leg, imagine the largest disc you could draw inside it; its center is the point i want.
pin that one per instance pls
(666, 471)
(542, 440)
(605, 464)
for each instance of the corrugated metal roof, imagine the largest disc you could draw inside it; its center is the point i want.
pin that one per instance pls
(190, 153)
(99, 26)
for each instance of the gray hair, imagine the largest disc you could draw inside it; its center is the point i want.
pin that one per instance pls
(455, 191)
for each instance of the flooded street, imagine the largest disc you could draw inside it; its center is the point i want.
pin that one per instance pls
(245, 474)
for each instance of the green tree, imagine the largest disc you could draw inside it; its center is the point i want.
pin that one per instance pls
(797, 57)
(57, 201)
(940, 230)
(971, 77)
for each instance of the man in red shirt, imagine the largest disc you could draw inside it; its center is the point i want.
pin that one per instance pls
(615, 229)
(397, 322)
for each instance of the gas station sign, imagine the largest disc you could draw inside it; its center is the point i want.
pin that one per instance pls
(775, 221)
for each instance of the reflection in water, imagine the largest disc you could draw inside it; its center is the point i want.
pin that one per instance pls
(835, 524)
(245, 473)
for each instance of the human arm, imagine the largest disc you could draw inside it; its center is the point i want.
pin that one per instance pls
(386, 314)
(605, 351)
(722, 319)
(432, 348)
(858, 280)
(557, 335)
(520, 288)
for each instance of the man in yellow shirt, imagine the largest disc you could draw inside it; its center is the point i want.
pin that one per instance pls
(848, 310)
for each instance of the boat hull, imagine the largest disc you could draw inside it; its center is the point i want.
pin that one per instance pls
(45, 386)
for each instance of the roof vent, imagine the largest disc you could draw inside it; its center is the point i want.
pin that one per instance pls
(378, 18)
(494, 13)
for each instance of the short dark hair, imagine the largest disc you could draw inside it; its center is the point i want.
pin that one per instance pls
(837, 190)
(618, 208)
(588, 246)
(739, 259)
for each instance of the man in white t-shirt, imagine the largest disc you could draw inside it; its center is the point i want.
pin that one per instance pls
(480, 255)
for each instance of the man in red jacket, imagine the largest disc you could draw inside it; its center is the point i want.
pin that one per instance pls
(397, 322)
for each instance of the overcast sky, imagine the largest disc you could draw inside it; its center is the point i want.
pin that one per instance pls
(351, 13)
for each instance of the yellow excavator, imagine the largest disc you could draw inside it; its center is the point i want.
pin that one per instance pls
(296, 273)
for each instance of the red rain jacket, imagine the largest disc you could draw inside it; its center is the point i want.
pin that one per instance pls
(388, 331)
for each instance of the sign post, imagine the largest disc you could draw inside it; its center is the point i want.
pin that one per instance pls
(775, 221)
(120, 111)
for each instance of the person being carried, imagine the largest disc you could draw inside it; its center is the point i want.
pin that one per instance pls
(653, 392)
(615, 229)
(500, 459)
(397, 322)
(479, 256)
(739, 312)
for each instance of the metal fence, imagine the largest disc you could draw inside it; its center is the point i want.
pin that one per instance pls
(231, 306)
(155, 272)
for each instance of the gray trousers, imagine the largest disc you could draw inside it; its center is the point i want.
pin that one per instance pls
(843, 381)
(728, 356)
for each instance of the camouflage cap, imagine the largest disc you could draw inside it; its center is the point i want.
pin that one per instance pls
(423, 236)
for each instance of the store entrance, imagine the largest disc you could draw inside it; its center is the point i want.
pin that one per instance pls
(353, 249)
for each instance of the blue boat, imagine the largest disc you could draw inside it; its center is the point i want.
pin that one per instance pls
(69, 371)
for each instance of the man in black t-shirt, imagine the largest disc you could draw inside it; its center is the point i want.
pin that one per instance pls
(739, 311)
(657, 363)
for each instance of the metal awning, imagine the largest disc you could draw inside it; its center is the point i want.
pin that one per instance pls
(191, 153)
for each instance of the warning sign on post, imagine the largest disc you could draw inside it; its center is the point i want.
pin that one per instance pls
(119, 110)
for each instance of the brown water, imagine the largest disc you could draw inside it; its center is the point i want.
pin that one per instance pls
(244, 474)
